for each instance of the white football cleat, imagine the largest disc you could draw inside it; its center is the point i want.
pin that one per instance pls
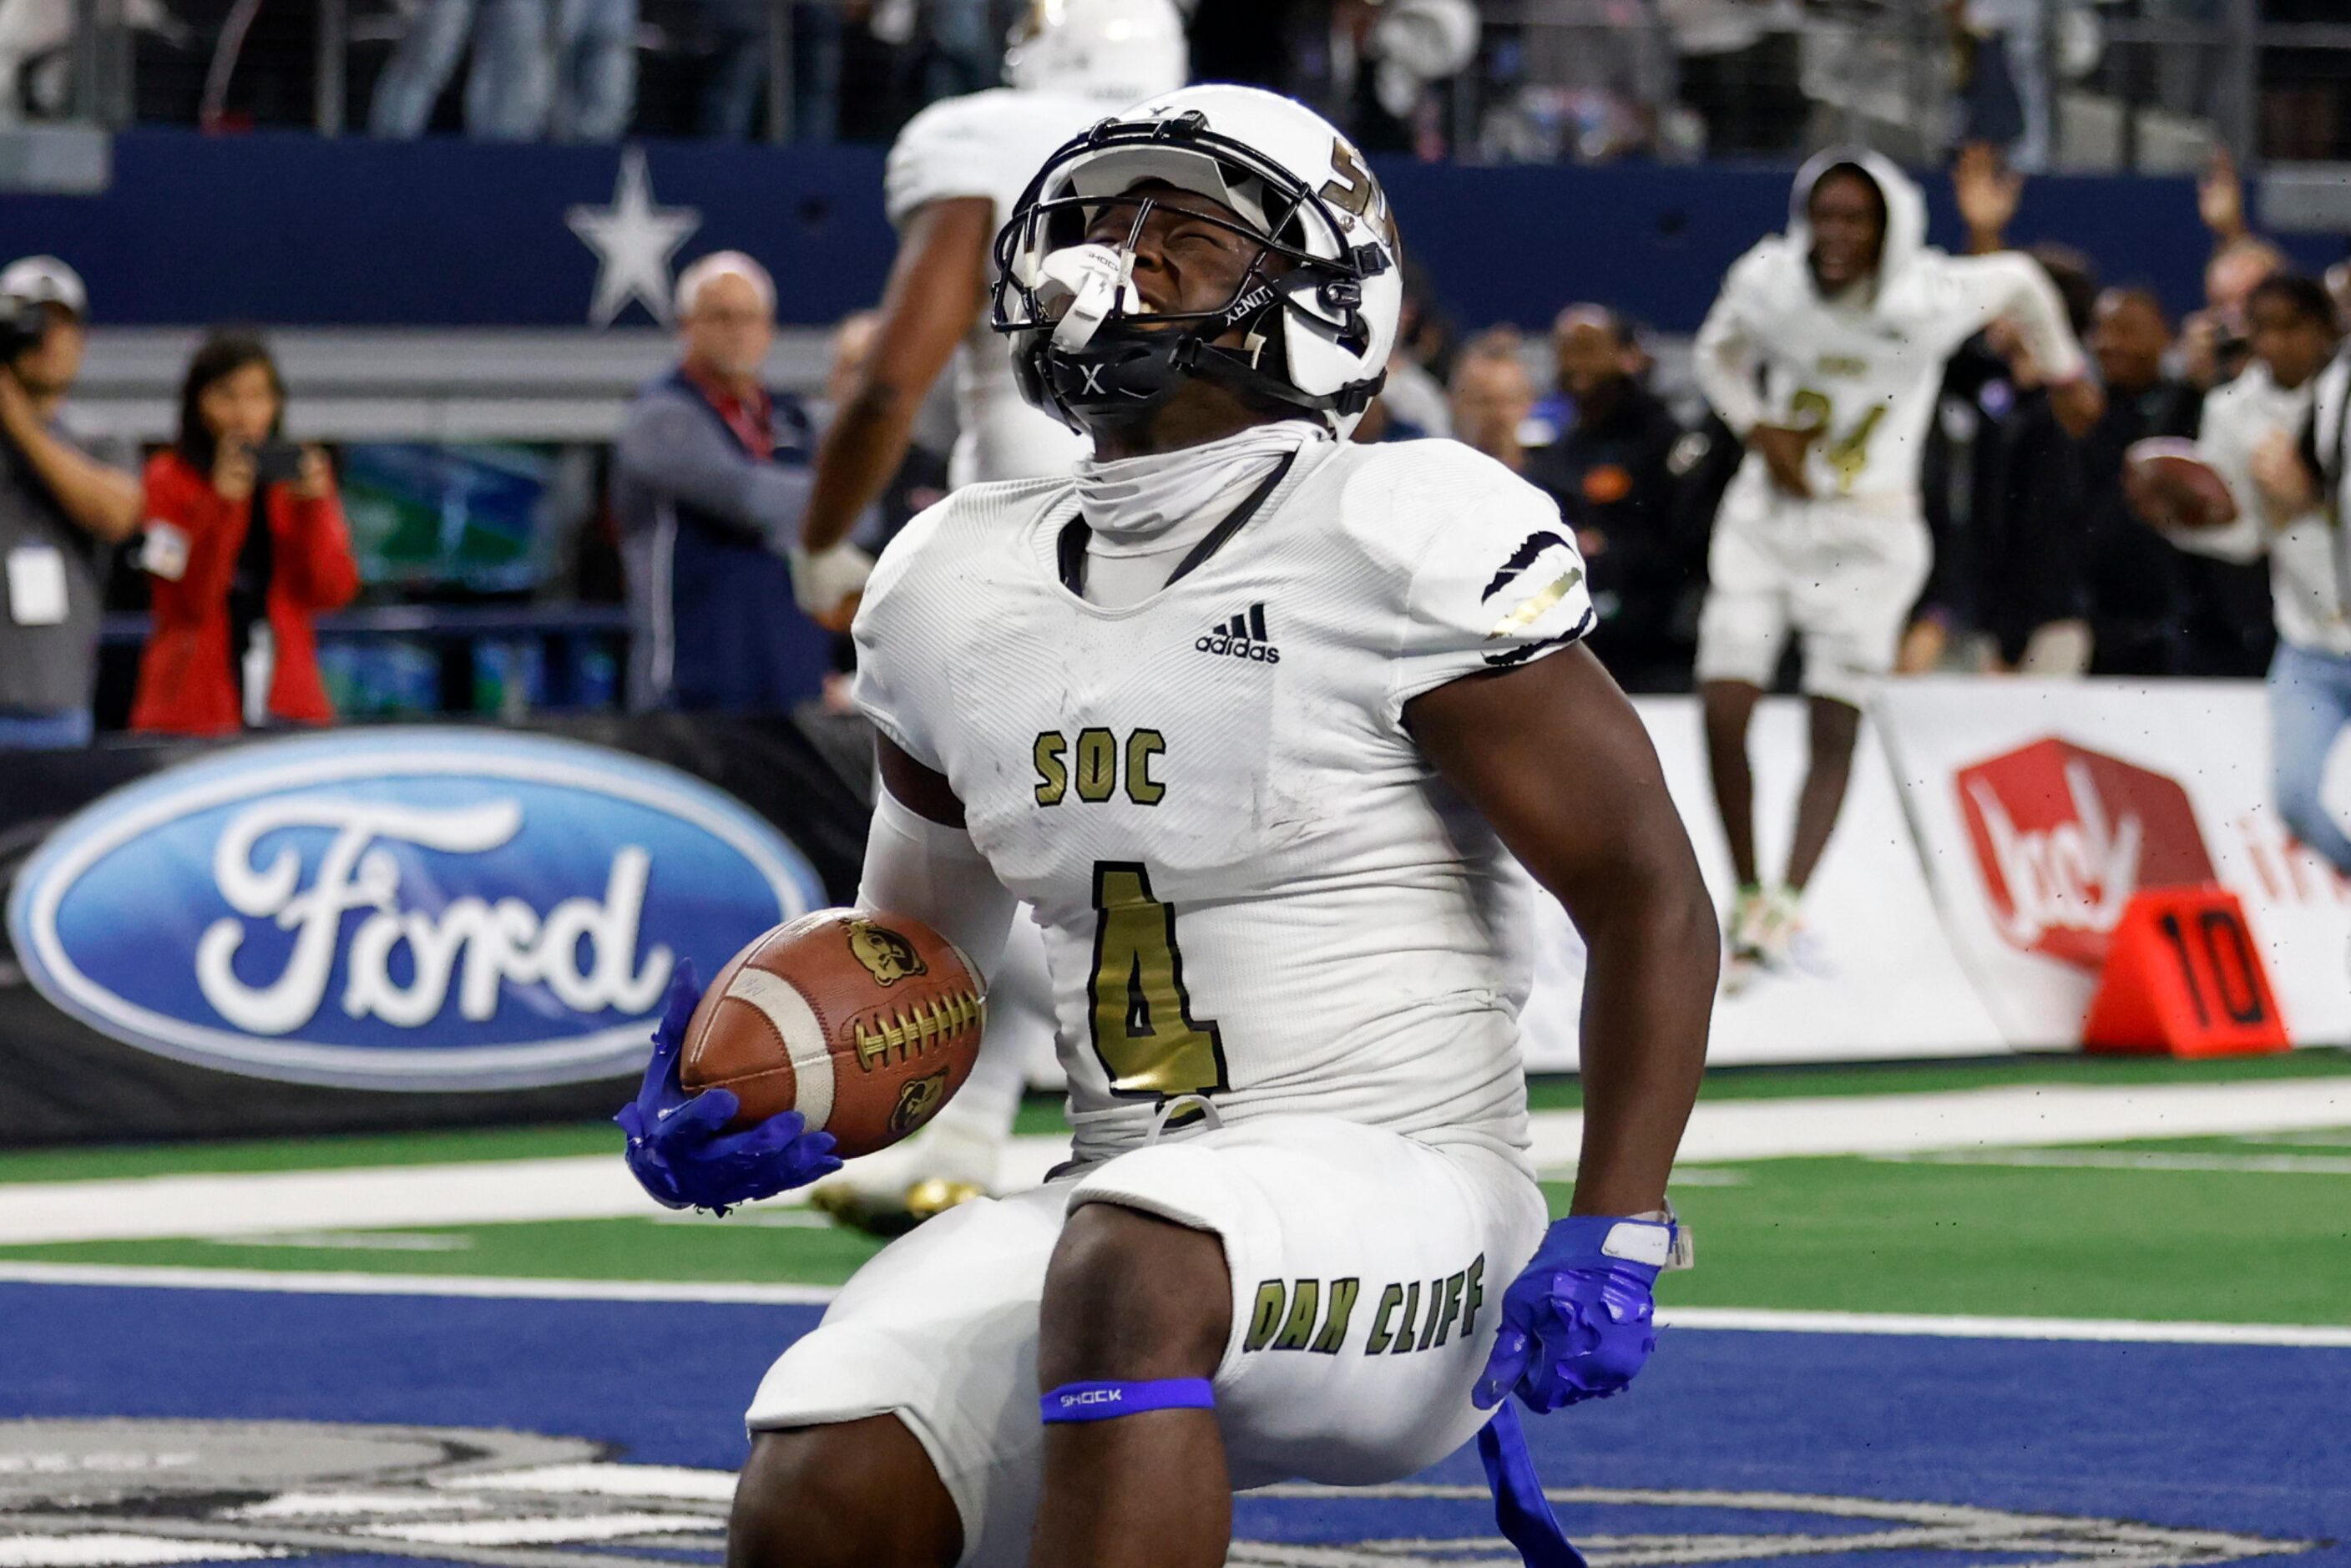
(1779, 922)
(1744, 936)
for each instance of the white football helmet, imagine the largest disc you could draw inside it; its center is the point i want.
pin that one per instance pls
(1317, 331)
(1117, 50)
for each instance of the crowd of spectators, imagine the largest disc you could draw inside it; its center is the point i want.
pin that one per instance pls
(2045, 565)
(2045, 561)
(1535, 80)
(237, 535)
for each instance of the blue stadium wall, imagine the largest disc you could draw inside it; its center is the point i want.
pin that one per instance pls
(289, 230)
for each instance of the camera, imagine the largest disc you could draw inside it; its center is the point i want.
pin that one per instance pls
(277, 462)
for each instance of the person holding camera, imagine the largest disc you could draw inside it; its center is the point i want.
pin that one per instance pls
(60, 511)
(246, 543)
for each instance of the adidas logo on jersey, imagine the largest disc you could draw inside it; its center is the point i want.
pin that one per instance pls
(1242, 637)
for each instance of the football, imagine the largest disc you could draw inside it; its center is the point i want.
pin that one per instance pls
(865, 1023)
(2168, 484)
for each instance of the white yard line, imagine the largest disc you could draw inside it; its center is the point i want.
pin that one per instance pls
(2124, 1160)
(2109, 1330)
(301, 1283)
(2021, 1116)
(595, 1186)
(1704, 1318)
(482, 1193)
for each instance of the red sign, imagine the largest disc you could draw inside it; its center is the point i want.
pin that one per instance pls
(2064, 836)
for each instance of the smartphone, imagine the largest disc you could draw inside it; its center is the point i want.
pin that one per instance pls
(277, 462)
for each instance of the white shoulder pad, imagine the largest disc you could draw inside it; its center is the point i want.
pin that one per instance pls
(986, 144)
(942, 152)
(1485, 576)
(1769, 280)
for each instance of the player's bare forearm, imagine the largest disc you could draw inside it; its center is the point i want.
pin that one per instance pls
(933, 294)
(862, 448)
(1557, 760)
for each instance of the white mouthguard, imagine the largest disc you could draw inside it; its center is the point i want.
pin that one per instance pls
(1095, 280)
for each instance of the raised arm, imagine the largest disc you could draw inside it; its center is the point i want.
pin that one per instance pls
(2010, 286)
(101, 501)
(934, 296)
(1555, 756)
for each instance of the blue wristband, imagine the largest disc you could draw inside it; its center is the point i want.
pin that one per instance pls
(1109, 1401)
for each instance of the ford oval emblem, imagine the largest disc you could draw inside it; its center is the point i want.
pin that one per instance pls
(419, 908)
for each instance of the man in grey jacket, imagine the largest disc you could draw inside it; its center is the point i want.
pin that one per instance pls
(59, 510)
(710, 478)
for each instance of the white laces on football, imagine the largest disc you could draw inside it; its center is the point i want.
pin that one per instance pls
(1133, 500)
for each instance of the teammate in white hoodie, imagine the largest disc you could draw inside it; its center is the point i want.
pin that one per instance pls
(1823, 352)
(952, 180)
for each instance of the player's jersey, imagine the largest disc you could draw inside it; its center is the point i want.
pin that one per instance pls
(2307, 564)
(1252, 885)
(990, 144)
(1863, 368)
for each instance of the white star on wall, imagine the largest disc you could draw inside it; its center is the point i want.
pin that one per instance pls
(634, 241)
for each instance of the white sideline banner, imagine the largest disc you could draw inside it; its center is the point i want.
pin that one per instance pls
(1878, 977)
(2041, 806)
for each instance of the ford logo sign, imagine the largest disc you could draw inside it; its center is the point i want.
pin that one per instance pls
(419, 908)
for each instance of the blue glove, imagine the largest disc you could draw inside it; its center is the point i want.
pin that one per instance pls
(1577, 1322)
(679, 1149)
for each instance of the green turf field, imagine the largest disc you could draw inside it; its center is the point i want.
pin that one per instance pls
(1042, 1114)
(2250, 1228)
(1914, 1235)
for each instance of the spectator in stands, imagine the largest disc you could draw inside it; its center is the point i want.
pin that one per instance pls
(2120, 588)
(1611, 472)
(2212, 341)
(2020, 582)
(2249, 425)
(734, 92)
(246, 543)
(710, 478)
(2213, 347)
(1739, 70)
(1413, 401)
(2303, 490)
(2004, 95)
(508, 89)
(59, 511)
(1492, 395)
(595, 69)
(1554, 409)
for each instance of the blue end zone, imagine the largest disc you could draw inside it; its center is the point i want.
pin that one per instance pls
(2249, 1440)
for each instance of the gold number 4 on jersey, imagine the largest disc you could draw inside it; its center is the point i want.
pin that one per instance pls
(1848, 453)
(1144, 1030)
